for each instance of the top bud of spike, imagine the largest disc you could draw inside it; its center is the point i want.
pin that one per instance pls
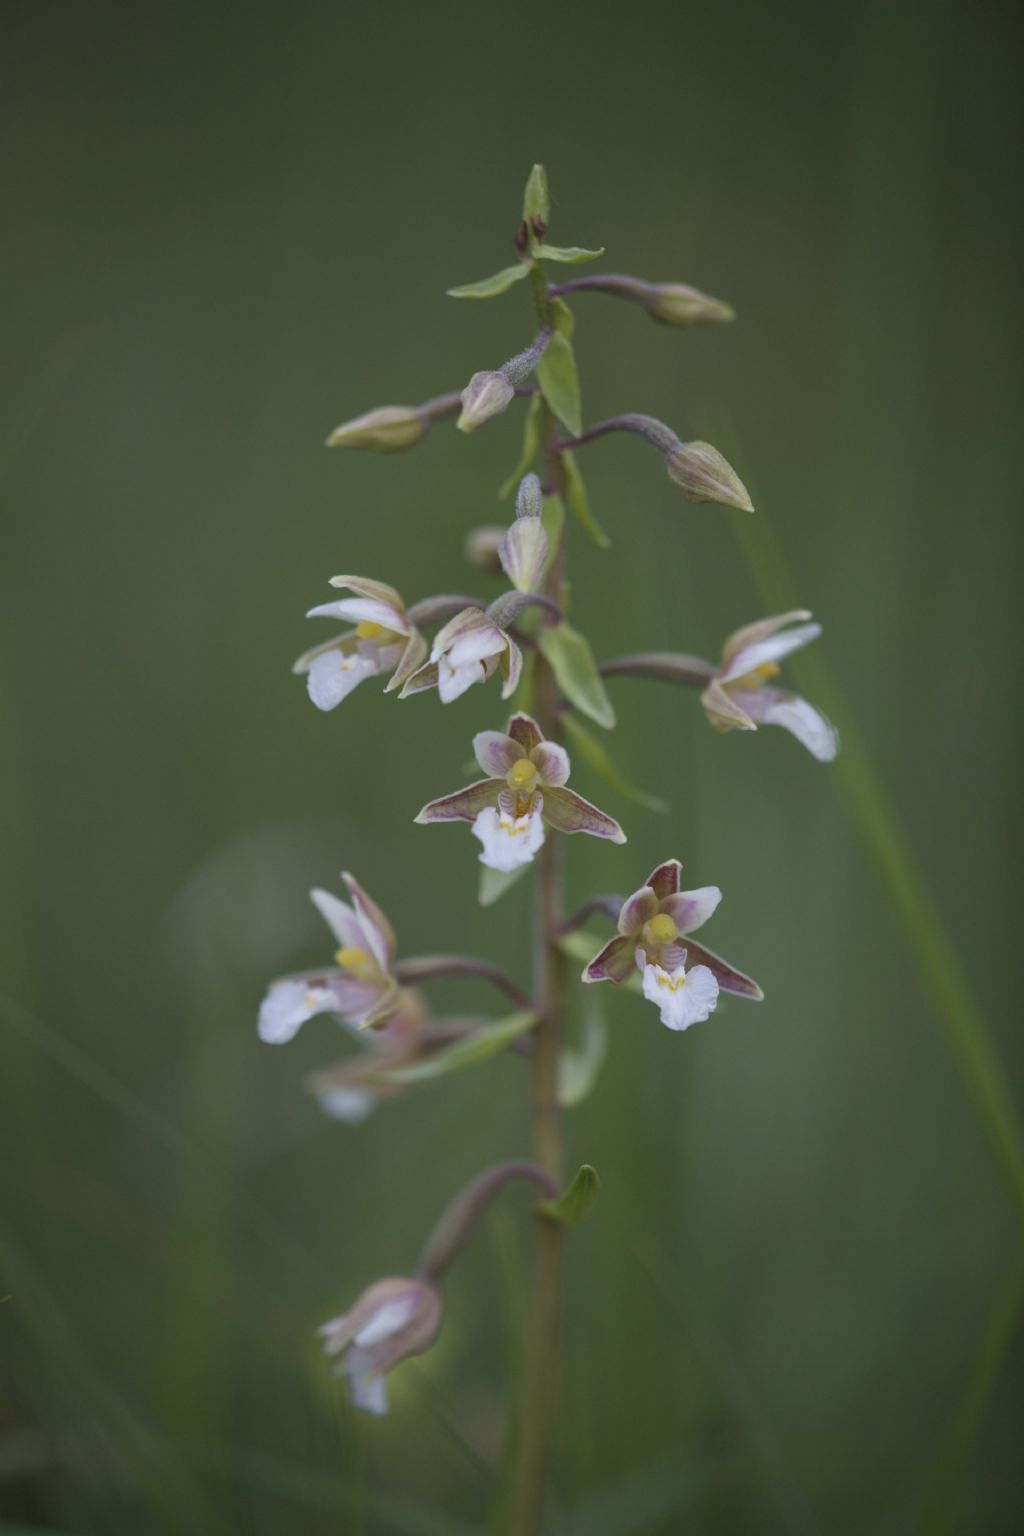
(536, 200)
(389, 429)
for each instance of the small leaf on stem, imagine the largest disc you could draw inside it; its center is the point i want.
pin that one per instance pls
(576, 1201)
(572, 254)
(579, 502)
(559, 382)
(569, 655)
(466, 1052)
(490, 287)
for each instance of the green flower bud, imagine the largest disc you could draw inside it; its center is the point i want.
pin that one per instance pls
(389, 429)
(676, 304)
(536, 202)
(487, 394)
(703, 475)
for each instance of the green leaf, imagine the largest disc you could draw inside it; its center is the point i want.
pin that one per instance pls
(531, 445)
(559, 381)
(578, 1069)
(576, 496)
(468, 1052)
(576, 1201)
(562, 317)
(490, 287)
(573, 254)
(572, 661)
(552, 515)
(598, 760)
(495, 882)
(536, 199)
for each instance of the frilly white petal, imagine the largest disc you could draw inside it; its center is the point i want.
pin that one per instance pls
(333, 675)
(452, 682)
(286, 1008)
(508, 842)
(682, 997)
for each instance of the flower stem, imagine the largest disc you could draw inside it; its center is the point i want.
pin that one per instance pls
(541, 1376)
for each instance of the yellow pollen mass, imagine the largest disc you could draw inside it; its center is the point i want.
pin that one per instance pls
(512, 828)
(761, 674)
(368, 630)
(669, 983)
(352, 958)
(659, 930)
(522, 776)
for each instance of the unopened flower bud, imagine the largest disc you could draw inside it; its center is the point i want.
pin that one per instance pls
(389, 429)
(487, 394)
(481, 547)
(677, 304)
(524, 552)
(702, 474)
(536, 199)
(391, 1320)
(529, 499)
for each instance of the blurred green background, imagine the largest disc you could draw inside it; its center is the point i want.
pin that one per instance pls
(227, 228)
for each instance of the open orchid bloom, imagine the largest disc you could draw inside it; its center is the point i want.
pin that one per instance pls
(383, 640)
(740, 695)
(391, 1320)
(526, 788)
(468, 649)
(351, 1090)
(680, 976)
(360, 989)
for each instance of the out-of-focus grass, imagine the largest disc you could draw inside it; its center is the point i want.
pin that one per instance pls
(221, 240)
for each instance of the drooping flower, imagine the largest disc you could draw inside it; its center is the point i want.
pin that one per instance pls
(360, 988)
(383, 640)
(526, 788)
(351, 1090)
(392, 1320)
(740, 695)
(680, 976)
(469, 649)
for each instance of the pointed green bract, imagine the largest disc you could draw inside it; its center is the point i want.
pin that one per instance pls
(578, 1069)
(537, 199)
(477, 1047)
(571, 254)
(552, 515)
(559, 382)
(569, 655)
(574, 1204)
(598, 760)
(490, 287)
(531, 445)
(579, 501)
(495, 882)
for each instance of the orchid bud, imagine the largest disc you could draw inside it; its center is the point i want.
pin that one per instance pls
(523, 553)
(677, 304)
(389, 429)
(702, 474)
(529, 499)
(536, 199)
(481, 547)
(391, 1320)
(487, 394)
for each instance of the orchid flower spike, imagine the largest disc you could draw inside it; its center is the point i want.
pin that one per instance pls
(739, 697)
(360, 989)
(469, 649)
(526, 788)
(383, 640)
(654, 935)
(391, 1320)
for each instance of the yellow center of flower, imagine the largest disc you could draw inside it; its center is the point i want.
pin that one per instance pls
(353, 959)
(659, 930)
(368, 630)
(512, 828)
(671, 983)
(522, 777)
(761, 674)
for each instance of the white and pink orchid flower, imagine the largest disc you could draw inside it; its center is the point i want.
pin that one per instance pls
(740, 695)
(391, 1320)
(360, 988)
(469, 649)
(383, 640)
(680, 976)
(526, 788)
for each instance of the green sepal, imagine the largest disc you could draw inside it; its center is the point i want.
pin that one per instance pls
(578, 1069)
(495, 882)
(575, 1202)
(479, 1046)
(583, 946)
(536, 198)
(490, 287)
(576, 496)
(573, 254)
(560, 383)
(598, 760)
(531, 446)
(569, 655)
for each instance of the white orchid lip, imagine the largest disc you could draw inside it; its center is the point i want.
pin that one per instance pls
(741, 694)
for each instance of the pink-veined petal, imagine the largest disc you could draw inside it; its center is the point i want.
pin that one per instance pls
(551, 762)
(339, 917)
(356, 610)
(425, 677)
(568, 812)
(496, 752)
(636, 909)
(477, 644)
(761, 629)
(768, 651)
(664, 881)
(773, 706)
(689, 909)
(379, 934)
(464, 623)
(727, 976)
(613, 963)
(525, 730)
(363, 586)
(464, 805)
